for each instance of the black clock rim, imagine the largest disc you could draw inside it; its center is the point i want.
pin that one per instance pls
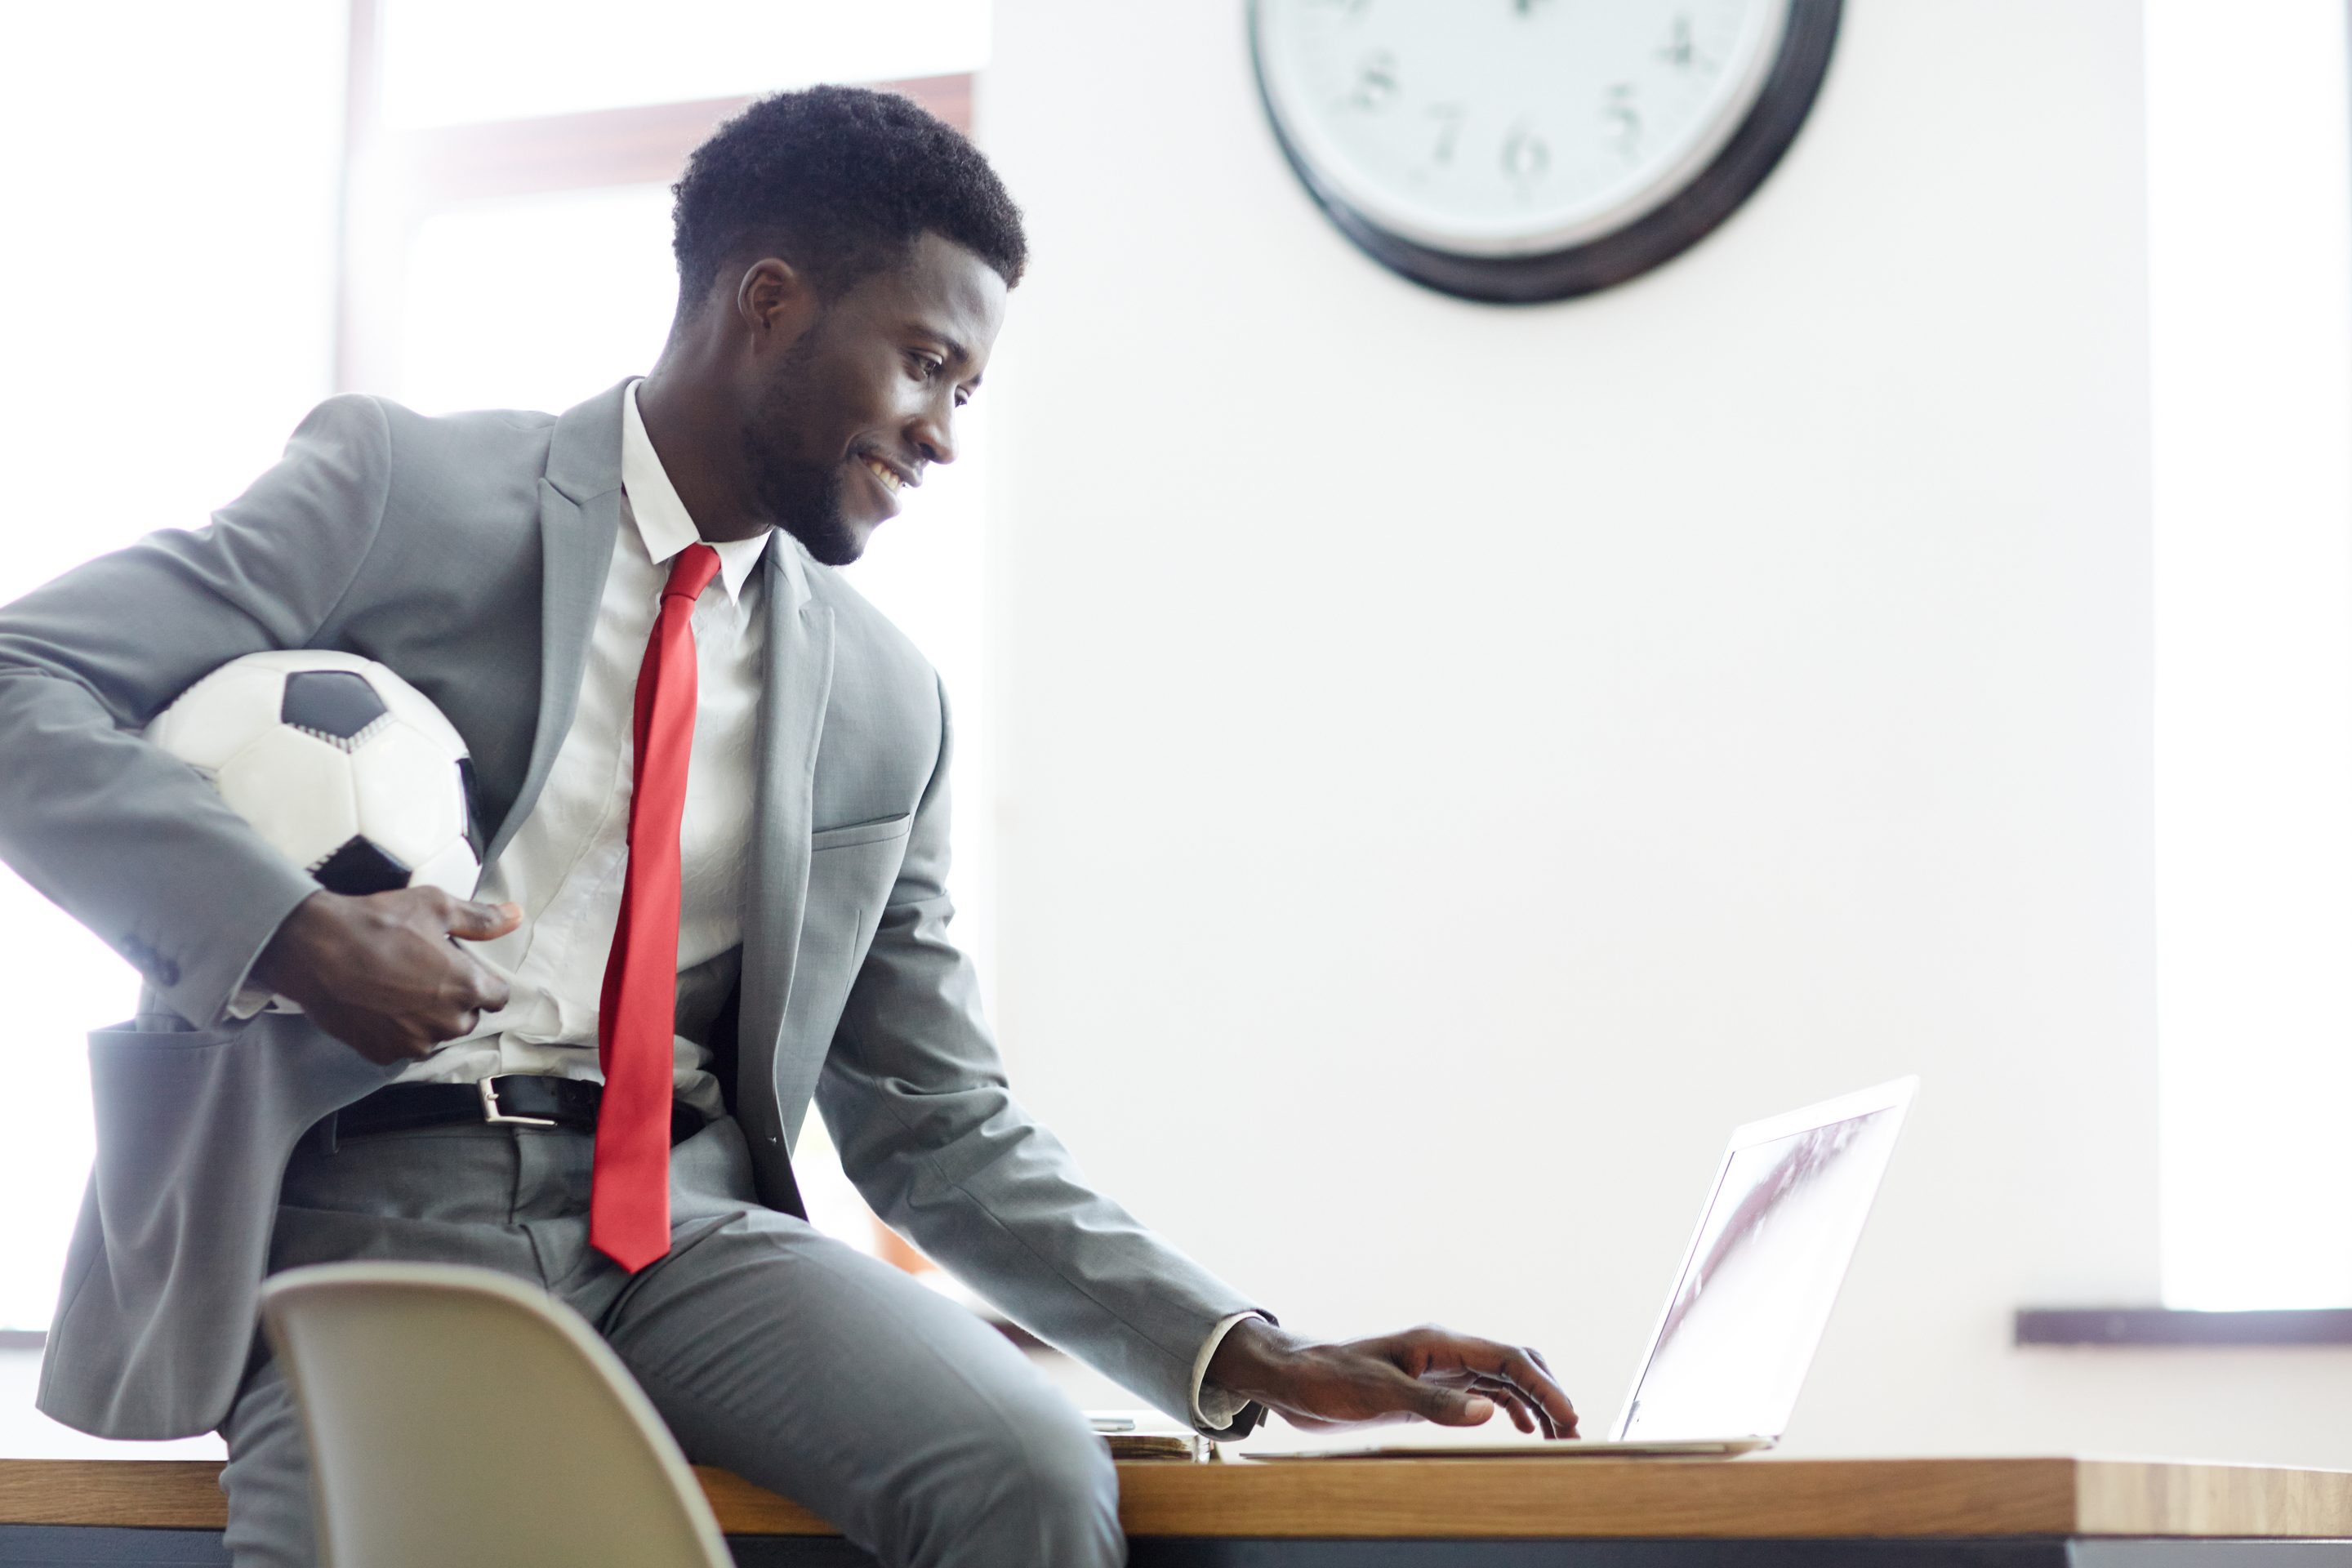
(1657, 238)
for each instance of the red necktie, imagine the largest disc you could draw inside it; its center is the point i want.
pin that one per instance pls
(628, 1207)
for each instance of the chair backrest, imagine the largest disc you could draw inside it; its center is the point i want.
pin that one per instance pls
(461, 1418)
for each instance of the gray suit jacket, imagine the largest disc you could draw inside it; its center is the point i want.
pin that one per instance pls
(467, 553)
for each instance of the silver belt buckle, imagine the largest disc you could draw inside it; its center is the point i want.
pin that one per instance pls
(490, 1112)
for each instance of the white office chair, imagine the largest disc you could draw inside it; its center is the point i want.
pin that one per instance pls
(460, 1418)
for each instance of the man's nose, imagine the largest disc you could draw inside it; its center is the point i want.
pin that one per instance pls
(933, 436)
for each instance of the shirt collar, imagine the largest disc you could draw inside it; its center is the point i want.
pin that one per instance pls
(662, 520)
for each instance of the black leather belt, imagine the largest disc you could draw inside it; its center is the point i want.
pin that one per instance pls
(512, 1099)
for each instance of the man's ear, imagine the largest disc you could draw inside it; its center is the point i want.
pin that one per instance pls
(775, 301)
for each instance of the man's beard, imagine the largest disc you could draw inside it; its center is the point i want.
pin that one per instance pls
(801, 497)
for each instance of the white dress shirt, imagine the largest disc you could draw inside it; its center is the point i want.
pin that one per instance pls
(565, 863)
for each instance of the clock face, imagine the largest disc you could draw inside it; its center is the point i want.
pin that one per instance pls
(1511, 128)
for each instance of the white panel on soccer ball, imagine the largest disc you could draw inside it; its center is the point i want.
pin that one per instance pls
(454, 872)
(417, 710)
(411, 805)
(297, 791)
(212, 720)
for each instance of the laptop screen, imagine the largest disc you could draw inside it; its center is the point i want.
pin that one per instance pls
(1758, 1284)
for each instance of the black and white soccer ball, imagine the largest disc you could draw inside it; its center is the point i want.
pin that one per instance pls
(340, 765)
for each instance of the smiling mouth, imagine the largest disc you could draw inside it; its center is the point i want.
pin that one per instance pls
(892, 480)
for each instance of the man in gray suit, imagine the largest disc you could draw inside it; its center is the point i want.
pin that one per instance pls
(844, 261)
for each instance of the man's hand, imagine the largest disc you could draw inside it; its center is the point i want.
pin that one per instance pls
(381, 973)
(1428, 1372)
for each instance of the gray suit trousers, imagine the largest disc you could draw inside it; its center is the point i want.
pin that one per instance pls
(769, 1348)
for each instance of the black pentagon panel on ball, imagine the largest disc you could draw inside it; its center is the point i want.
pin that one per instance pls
(358, 867)
(336, 703)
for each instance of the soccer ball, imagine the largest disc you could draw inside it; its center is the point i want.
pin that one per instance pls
(342, 766)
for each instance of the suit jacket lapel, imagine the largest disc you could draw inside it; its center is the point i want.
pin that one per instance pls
(799, 680)
(579, 518)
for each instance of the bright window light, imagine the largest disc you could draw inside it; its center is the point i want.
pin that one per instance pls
(226, 123)
(454, 61)
(535, 301)
(2249, 187)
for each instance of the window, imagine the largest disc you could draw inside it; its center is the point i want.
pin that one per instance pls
(221, 130)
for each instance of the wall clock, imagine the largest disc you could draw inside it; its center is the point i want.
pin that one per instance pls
(1523, 150)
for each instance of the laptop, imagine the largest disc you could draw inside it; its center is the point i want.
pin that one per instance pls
(1748, 1304)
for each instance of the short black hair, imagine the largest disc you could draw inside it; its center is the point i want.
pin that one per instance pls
(839, 182)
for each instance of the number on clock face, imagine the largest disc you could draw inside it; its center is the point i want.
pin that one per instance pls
(1512, 127)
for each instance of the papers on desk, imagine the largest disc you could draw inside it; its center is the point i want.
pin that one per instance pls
(1147, 1435)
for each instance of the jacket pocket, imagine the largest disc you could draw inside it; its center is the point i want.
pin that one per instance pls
(879, 830)
(154, 1079)
(157, 1031)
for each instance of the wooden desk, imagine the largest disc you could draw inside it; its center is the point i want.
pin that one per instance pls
(1487, 1513)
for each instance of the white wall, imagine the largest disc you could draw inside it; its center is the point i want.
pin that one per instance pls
(2251, 394)
(1455, 762)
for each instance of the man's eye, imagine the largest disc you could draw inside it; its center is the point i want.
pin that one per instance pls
(928, 365)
